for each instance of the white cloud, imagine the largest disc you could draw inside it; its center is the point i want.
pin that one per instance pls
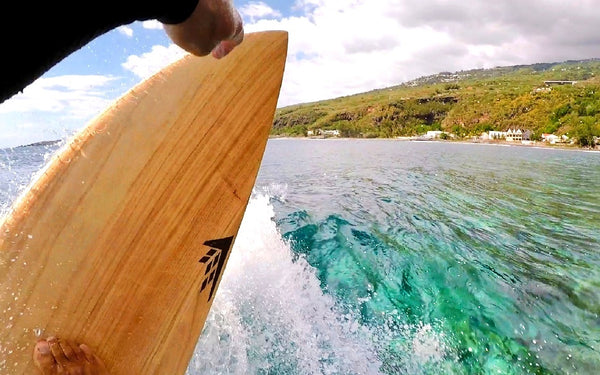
(53, 107)
(74, 96)
(340, 48)
(152, 25)
(151, 62)
(125, 30)
(255, 10)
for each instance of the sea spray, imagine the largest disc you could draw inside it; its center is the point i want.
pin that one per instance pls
(270, 315)
(19, 167)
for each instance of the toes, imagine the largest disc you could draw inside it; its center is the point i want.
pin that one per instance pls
(78, 352)
(91, 357)
(87, 352)
(57, 352)
(72, 352)
(42, 357)
(58, 356)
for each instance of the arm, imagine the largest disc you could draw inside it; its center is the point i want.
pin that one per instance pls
(37, 36)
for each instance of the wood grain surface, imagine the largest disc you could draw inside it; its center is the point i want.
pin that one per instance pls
(111, 246)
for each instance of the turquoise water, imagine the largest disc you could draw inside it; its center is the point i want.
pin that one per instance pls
(430, 258)
(389, 257)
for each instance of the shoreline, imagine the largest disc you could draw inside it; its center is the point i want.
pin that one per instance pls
(537, 145)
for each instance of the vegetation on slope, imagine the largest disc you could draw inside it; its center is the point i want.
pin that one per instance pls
(464, 103)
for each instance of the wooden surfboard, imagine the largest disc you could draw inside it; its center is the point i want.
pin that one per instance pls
(121, 242)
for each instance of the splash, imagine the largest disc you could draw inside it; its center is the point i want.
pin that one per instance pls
(270, 315)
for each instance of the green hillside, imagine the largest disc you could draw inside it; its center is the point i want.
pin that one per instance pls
(464, 103)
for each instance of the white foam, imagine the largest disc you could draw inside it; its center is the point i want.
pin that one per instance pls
(270, 314)
(428, 345)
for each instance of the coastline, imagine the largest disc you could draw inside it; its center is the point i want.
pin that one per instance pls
(536, 145)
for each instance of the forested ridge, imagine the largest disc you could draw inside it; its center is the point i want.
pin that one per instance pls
(465, 104)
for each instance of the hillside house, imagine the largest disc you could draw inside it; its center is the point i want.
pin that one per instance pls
(514, 135)
(511, 135)
(330, 133)
(323, 133)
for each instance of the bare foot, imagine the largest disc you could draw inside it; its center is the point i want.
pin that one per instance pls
(57, 356)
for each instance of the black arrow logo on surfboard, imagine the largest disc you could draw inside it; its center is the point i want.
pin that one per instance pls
(214, 260)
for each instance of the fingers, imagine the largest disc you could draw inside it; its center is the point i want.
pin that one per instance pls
(214, 26)
(226, 46)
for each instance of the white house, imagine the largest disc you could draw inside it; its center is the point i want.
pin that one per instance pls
(323, 133)
(515, 135)
(331, 133)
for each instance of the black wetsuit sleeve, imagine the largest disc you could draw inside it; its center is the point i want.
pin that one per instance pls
(178, 14)
(37, 35)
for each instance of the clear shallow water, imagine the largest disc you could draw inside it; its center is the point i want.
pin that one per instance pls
(387, 257)
(450, 259)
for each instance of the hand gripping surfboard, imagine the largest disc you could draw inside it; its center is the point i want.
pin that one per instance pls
(122, 240)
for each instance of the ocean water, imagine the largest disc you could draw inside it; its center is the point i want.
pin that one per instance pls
(389, 257)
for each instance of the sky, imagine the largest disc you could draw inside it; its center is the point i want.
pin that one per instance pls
(336, 48)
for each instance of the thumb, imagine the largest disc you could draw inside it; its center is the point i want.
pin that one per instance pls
(226, 46)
